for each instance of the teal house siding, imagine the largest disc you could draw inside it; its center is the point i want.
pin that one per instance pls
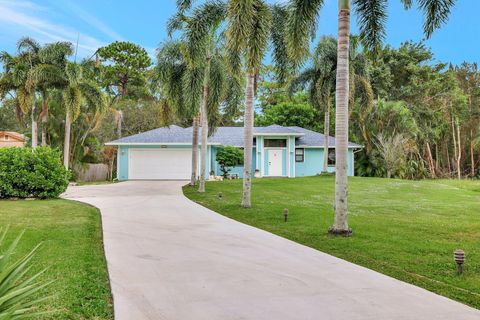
(123, 163)
(291, 156)
(313, 163)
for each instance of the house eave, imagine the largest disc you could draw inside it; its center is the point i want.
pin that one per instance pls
(113, 143)
(330, 147)
(279, 134)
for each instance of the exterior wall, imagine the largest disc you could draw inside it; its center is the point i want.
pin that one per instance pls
(11, 143)
(291, 156)
(313, 163)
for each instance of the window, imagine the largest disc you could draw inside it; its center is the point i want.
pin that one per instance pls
(275, 143)
(299, 155)
(331, 157)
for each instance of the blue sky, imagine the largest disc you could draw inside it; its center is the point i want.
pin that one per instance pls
(99, 22)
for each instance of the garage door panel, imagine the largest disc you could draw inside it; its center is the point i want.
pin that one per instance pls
(150, 164)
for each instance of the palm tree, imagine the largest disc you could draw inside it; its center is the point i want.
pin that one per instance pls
(248, 31)
(15, 78)
(10, 84)
(76, 92)
(320, 78)
(47, 75)
(371, 17)
(171, 73)
(206, 72)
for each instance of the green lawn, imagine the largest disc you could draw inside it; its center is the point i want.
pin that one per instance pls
(72, 249)
(405, 229)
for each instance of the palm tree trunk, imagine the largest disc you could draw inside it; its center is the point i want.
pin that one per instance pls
(119, 124)
(34, 128)
(44, 117)
(193, 179)
(204, 117)
(66, 143)
(248, 142)
(472, 158)
(430, 161)
(326, 133)
(459, 155)
(340, 224)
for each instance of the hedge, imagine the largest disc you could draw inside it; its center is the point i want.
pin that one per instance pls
(32, 173)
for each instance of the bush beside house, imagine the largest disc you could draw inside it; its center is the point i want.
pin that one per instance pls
(229, 157)
(37, 173)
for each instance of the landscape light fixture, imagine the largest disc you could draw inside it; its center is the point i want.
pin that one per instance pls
(459, 256)
(285, 214)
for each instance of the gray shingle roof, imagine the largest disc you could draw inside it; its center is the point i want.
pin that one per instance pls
(312, 138)
(232, 136)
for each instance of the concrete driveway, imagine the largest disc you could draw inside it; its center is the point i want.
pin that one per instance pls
(169, 258)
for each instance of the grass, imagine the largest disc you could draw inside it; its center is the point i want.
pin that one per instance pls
(405, 229)
(72, 250)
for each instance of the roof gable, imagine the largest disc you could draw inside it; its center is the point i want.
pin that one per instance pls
(12, 136)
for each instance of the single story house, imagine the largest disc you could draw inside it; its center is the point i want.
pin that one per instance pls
(12, 139)
(166, 153)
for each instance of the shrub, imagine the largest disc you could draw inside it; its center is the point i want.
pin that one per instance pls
(26, 172)
(228, 157)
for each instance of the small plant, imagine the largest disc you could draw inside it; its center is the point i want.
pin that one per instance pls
(26, 172)
(228, 157)
(18, 292)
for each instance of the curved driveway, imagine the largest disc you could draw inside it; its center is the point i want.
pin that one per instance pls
(169, 258)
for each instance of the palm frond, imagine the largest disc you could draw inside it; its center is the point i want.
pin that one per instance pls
(436, 13)
(301, 81)
(184, 5)
(73, 72)
(371, 19)
(72, 100)
(199, 27)
(217, 90)
(56, 53)
(302, 20)
(175, 23)
(234, 98)
(25, 99)
(93, 95)
(407, 4)
(283, 65)
(47, 74)
(240, 15)
(192, 84)
(258, 36)
(27, 44)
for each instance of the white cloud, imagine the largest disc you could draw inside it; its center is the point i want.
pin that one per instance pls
(91, 20)
(24, 18)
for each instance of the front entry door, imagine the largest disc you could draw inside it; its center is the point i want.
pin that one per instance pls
(275, 162)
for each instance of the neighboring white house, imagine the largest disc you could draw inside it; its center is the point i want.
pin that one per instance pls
(166, 153)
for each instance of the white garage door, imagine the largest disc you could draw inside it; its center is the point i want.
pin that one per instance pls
(165, 163)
